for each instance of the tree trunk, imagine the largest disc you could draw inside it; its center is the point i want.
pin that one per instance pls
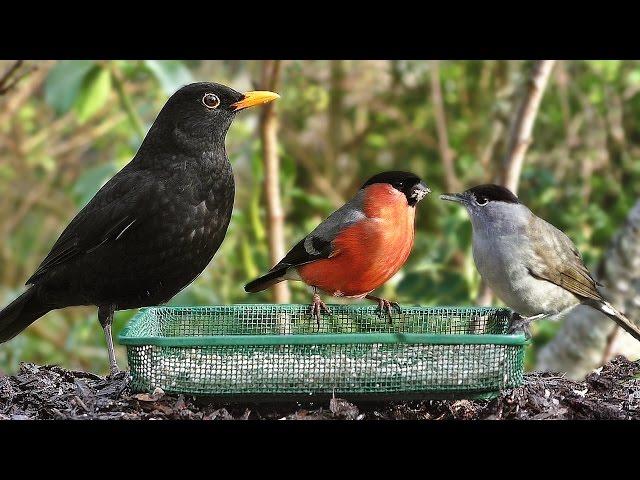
(581, 341)
(275, 213)
(335, 117)
(522, 124)
(518, 141)
(446, 155)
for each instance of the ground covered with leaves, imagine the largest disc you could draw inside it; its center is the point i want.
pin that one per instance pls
(51, 392)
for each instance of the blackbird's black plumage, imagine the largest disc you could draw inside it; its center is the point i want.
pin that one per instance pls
(153, 227)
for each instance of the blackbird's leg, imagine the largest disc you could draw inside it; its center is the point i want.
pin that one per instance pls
(522, 324)
(385, 305)
(317, 307)
(105, 317)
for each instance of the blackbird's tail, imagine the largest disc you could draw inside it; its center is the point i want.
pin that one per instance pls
(21, 313)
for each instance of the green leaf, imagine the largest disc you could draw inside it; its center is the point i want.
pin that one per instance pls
(63, 83)
(93, 94)
(172, 74)
(376, 140)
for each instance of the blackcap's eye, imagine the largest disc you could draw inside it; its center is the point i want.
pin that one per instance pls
(210, 100)
(482, 201)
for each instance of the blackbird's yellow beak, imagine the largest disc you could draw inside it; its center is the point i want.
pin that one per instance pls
(251, 99)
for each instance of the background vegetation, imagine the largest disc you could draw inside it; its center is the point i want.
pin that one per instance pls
(67, 126)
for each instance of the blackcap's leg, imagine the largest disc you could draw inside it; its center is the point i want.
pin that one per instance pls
(523, 324)
(105, 317)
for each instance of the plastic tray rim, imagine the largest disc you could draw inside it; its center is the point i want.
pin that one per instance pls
(125, 338)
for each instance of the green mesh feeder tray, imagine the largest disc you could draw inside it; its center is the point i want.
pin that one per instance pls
(269, 351)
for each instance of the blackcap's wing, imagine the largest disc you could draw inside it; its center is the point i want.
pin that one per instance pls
(556, 259)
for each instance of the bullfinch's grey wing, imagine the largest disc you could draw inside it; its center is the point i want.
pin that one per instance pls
(315, 246)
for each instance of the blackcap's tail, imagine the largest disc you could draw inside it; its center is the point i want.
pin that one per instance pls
(21, 313)
(611, 312)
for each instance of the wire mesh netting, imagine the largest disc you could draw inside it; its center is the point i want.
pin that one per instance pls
(278, 349)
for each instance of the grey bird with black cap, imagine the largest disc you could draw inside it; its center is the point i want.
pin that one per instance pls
(530, 265)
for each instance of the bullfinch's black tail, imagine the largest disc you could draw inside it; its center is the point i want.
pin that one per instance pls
(611, 312)
(20, 313)
(265, 281)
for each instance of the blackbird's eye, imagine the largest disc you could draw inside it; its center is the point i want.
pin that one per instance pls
(482, 201)
(210, 100)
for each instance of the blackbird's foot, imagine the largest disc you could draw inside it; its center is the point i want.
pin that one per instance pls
(385, 306)
(114, 371)
(317, 308)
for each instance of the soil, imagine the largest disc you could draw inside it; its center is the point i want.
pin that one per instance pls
(51, 392)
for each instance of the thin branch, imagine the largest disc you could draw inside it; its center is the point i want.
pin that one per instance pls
(446, 155)
(397, 114)
(24, 91)
(522, 125)
(334, 116)
(318, 180)
(487, 153)
(125, 101)
(275, 212)
(10, 77)
(88, 137)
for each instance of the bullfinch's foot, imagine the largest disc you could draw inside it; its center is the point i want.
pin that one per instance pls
(317, 308)
(385, 306)
(520, 324)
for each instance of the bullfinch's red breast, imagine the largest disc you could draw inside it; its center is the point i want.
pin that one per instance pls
(359, 246)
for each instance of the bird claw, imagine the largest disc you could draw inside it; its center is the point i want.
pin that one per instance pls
(520, 324)
(317, 308)
(387, 306)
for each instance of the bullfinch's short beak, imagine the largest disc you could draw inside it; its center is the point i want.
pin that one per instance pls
(251, 99)
(418, 192)
(453, 197)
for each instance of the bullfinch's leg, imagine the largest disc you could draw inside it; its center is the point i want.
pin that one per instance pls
(318, 306)
(385, 305)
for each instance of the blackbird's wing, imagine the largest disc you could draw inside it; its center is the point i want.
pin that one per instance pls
(557, 260)
(319, 243)
(114, 210)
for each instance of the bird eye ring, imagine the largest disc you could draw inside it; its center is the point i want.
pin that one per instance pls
(210, 100)
(482, 202)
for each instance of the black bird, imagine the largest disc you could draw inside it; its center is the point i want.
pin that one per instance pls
(153, 227)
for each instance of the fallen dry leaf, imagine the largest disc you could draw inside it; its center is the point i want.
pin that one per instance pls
(342, 408)
(157, 394)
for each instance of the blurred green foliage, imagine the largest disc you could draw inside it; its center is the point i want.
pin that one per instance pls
(70, 125)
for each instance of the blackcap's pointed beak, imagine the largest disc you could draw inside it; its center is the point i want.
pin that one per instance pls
(453, 197)
(251, 99)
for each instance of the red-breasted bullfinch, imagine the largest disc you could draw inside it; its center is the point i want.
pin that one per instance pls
(358, 247)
